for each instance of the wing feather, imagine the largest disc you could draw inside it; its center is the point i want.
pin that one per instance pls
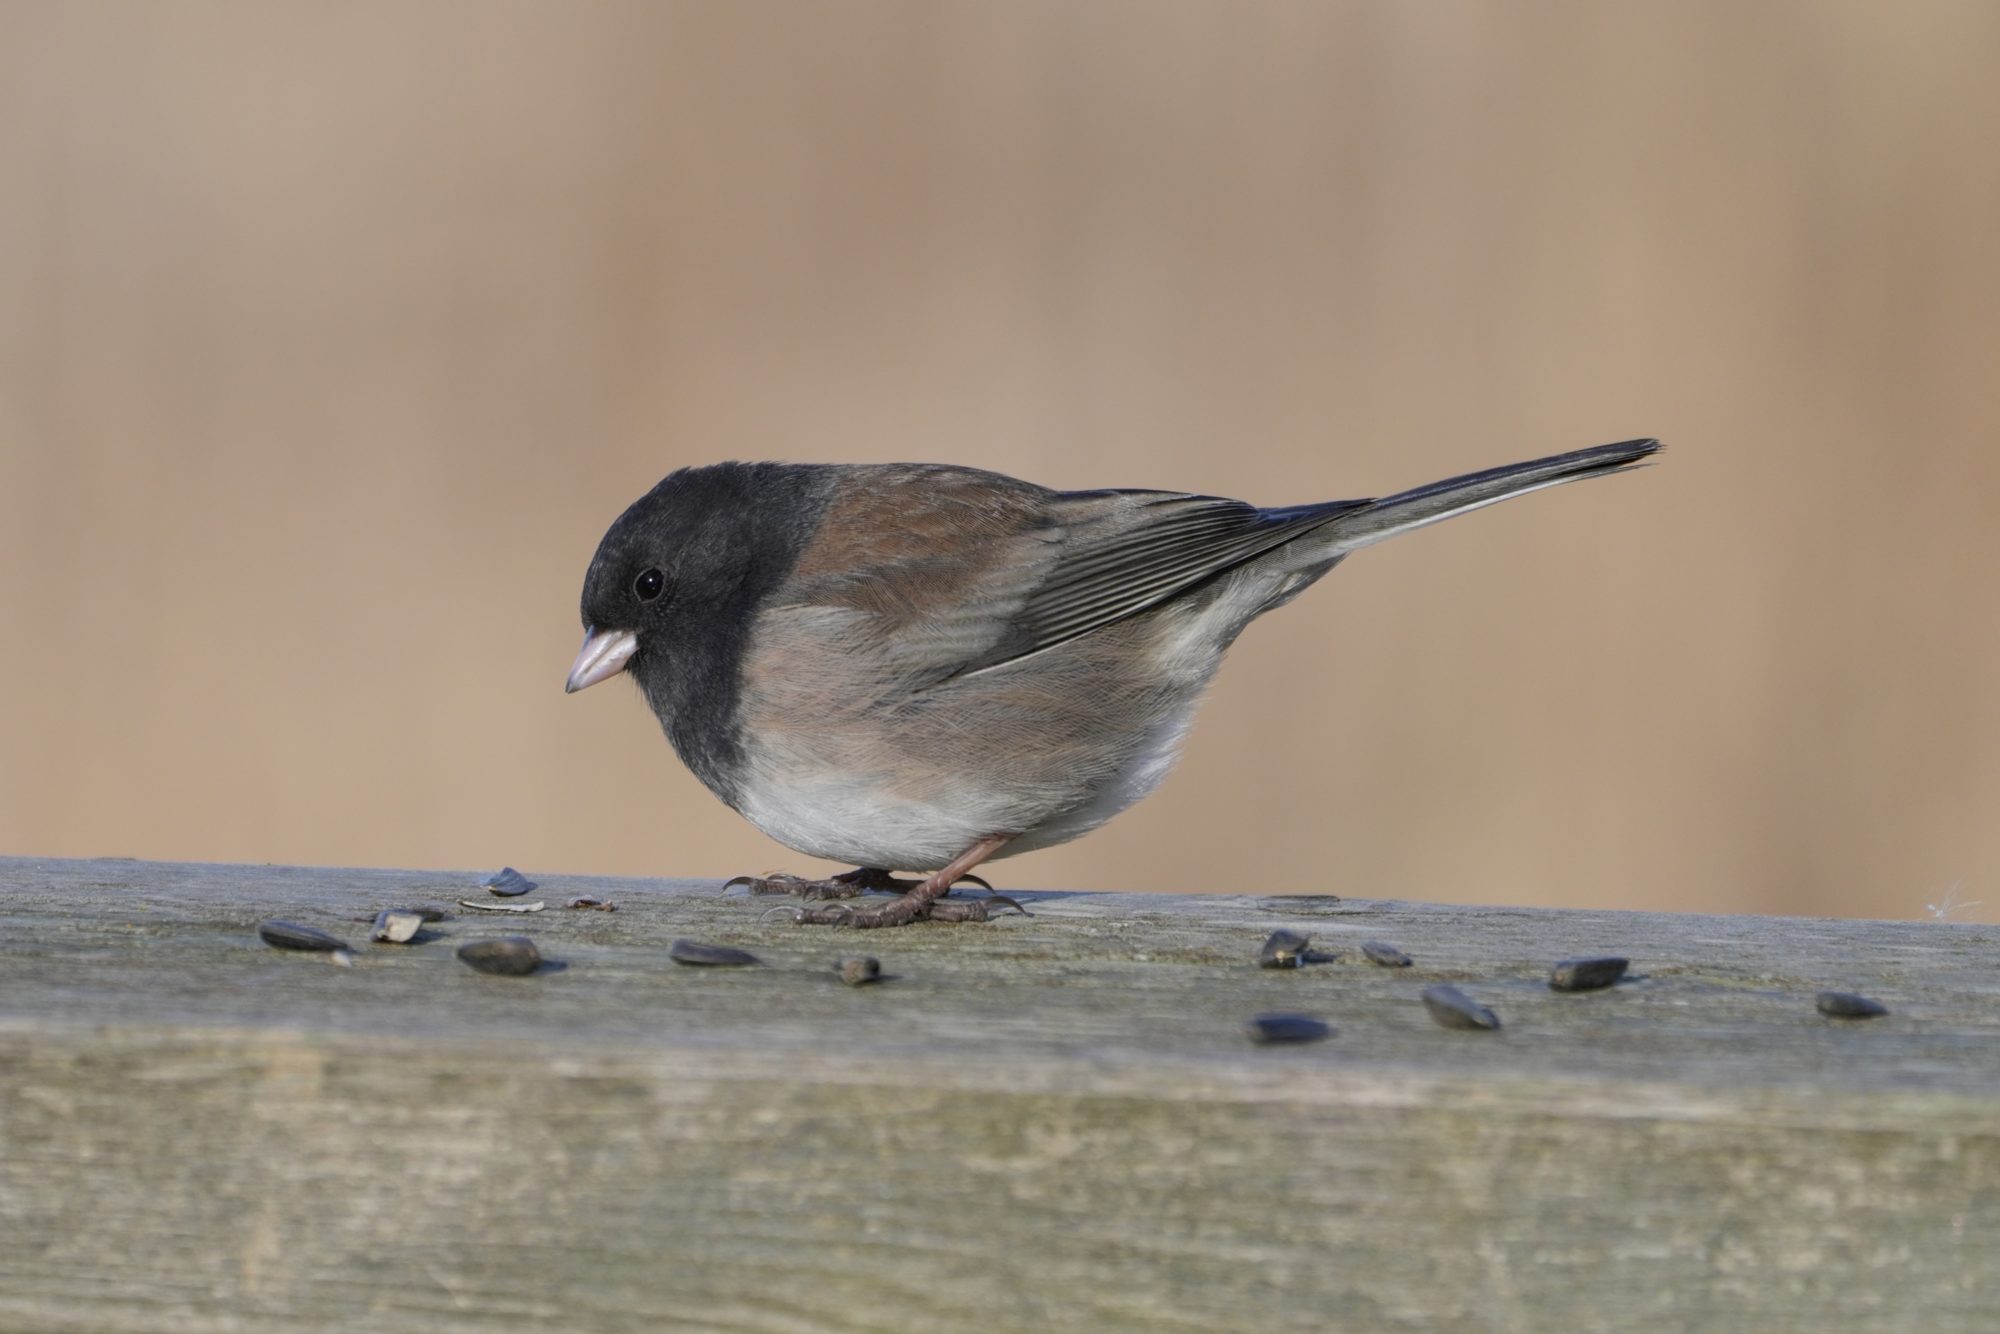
(1126, 552)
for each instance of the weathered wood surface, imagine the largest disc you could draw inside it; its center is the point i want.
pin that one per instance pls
(1046, 1123)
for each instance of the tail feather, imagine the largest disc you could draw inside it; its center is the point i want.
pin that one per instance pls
(1399, 513)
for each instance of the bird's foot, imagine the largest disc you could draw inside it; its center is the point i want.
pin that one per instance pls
(906, 909)
(847, 885)
(777, 882)
(920, 901)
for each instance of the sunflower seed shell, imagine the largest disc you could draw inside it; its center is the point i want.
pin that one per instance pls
(695, 953)
(1383, 953)
(1269, 1029)
(1847, 1005)
(396, 926)
(1587, 974)
(509, 956)
(507, 883)
(1452, 1008)
(292, 936)
(1284, 949)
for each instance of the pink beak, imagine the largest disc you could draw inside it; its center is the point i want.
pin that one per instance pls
(603, 656)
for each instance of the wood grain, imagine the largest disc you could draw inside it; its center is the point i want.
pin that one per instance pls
(1045, 1123)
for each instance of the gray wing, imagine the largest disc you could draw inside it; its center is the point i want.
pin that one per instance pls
(1125, 552)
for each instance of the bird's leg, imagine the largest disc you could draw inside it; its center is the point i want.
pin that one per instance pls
(921, 900)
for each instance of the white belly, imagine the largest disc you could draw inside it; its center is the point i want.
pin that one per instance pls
(843, 817)
(842, 820)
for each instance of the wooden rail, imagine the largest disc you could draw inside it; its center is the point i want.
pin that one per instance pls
(1040, 1123)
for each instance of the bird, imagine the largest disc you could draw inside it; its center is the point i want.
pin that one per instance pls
(920, 667)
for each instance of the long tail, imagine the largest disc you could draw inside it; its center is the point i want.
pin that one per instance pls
(1399, 513)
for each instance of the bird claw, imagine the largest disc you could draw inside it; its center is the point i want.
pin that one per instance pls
(839, 914)
(915, 904)
(896, 912)
(847, 885)
(977, 910)
(798, 887)
(824, 889)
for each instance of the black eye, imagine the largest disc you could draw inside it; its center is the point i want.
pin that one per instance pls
(649, 585)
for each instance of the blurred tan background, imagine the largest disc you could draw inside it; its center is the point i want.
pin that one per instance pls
(332, 335)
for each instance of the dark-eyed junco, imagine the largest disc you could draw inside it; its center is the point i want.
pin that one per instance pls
(914, 667)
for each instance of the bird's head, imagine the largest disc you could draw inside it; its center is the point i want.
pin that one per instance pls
(685, 566)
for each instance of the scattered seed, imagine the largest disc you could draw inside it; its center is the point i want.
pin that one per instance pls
(292, 936)
(396, 926)
(585, 901)
(1382, 952)
(427, 912)
(1847, 1005)
(1454, 1009)
(1285, 949)
(508, 883)
(343, 958)
(1271, 1028)
(1587, 974)
(859, 971)
(512, 956)
(536, 906)
(709, 956)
